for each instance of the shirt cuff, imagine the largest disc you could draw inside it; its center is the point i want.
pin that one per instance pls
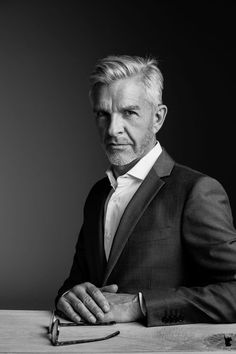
(142, 304)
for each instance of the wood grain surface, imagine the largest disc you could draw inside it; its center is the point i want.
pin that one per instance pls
(27, 332)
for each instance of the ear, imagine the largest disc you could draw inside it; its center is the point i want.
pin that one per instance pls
(159, 119)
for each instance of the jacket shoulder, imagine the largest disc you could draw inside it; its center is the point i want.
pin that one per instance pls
(192, 180)
(187, 172)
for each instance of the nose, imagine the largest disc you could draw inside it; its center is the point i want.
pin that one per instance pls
(115, 126)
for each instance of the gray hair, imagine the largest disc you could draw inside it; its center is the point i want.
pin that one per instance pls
(116, 67)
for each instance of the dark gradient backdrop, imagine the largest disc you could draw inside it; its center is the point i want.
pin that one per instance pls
(49, 152)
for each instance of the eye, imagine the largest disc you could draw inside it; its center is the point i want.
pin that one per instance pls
(128, 112)
(101, 115)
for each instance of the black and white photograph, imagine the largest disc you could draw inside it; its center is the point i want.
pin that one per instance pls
(117, 178)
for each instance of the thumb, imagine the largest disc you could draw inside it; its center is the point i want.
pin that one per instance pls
(113, 288)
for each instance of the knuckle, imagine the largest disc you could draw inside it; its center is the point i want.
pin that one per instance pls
(94, 291)
(87, 284)
(87, 301)
(62, 302)
(80, 287)
(75, 289)
(67, 306)
(77, 305)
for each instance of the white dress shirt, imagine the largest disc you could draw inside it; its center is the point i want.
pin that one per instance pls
(122, 192)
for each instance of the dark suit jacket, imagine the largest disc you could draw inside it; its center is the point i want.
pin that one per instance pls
(175, 243)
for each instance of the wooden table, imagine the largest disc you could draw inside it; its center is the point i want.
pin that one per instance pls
(26, 332)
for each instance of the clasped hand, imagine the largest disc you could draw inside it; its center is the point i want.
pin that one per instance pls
(91, 304)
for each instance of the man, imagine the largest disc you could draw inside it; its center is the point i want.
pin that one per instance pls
(157, 243)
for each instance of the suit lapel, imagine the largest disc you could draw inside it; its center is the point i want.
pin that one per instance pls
(136, 207)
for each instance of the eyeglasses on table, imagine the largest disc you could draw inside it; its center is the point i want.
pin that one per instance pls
(54, 331)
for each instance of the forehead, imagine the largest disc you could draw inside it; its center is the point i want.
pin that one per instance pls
(121, 92)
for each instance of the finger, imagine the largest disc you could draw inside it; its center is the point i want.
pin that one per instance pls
(82, 307)
(113, 288)
(87, 294)
(98, 297)
(64, 306)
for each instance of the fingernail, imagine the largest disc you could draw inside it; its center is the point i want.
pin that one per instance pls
(92, 319)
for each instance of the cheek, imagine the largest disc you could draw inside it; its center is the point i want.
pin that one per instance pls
(135, 135)
(138, 131)
(142, 136)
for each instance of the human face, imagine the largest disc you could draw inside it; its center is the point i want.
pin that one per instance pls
(127, 122)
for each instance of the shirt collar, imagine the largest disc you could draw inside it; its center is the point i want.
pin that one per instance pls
(141, 168)
(111, 178)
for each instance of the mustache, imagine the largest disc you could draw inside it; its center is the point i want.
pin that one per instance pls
(109, 141)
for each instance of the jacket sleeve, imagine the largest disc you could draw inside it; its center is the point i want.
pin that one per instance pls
(78, 270)
(209, 241)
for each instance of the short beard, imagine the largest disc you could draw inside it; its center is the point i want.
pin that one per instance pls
(118, 159)
(121, 159)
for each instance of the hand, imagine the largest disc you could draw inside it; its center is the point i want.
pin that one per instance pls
(123, 308)
(86, 302)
